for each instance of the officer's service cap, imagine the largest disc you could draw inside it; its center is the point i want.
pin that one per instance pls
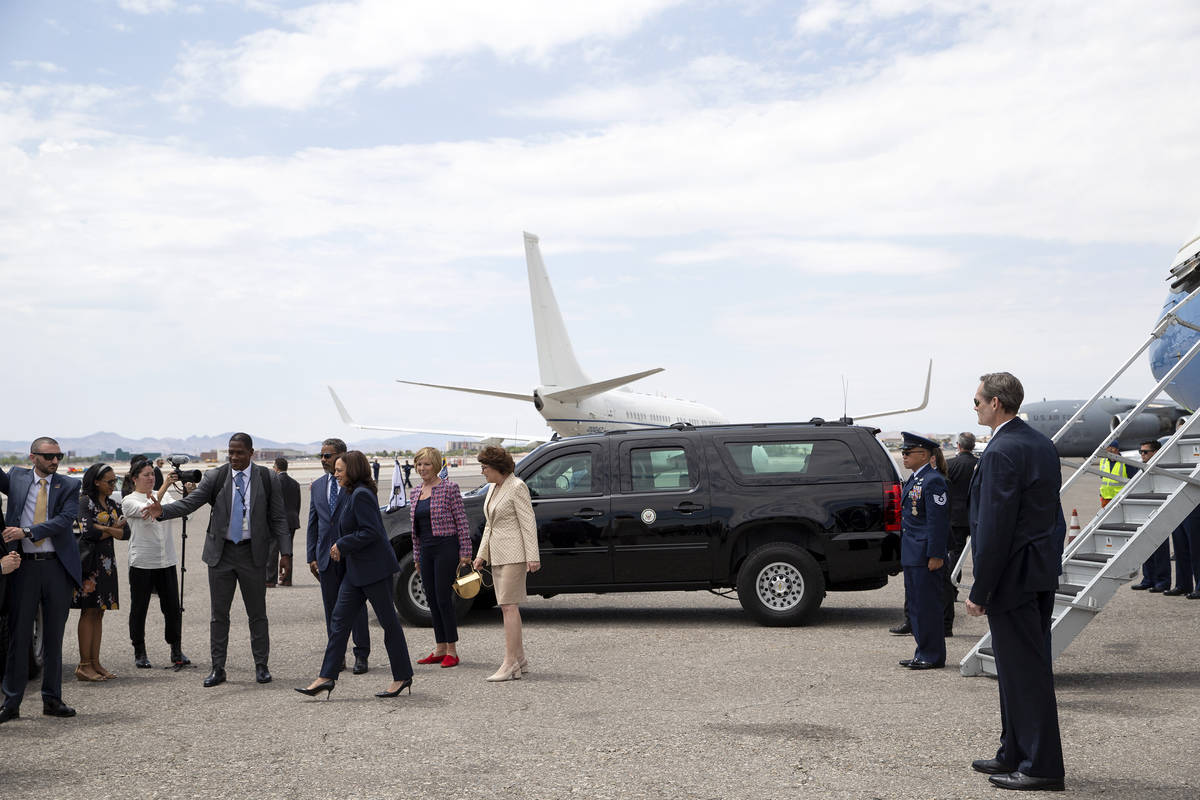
(912, 440)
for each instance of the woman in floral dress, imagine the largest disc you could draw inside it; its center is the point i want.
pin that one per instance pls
(100, 522)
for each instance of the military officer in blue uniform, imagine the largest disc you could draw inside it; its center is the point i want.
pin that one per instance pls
(924, 532)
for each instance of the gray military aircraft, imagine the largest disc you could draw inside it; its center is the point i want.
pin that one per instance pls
(1158, 420)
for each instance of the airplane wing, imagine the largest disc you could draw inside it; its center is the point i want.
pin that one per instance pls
(924, 401)
(485, 438)
(528, 398)
(575, 394)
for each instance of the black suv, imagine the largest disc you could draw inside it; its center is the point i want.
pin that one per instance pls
(779, 512)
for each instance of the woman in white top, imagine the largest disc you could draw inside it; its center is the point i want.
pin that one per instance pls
(152, 562)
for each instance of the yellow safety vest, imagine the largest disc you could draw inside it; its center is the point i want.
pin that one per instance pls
(1109, 487)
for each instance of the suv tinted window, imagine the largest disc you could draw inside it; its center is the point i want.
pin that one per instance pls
(564, 476)
(658, 469)
(817, 458)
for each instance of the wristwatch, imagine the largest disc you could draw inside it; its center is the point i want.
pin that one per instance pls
(26, 532)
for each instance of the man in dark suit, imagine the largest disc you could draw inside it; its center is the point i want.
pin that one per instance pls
(42, 509)
(1017, 532)
(278, 564)
(247, 513)
(322, 534)
(958, 474)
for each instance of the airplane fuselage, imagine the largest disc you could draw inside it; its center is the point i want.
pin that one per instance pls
(618, 410)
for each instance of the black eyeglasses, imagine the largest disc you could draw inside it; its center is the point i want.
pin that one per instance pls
(49, 456)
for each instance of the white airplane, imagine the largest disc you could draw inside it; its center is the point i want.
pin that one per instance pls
(571, 402)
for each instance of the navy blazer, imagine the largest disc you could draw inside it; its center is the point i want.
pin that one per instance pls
(1017, 524)
(363, 542)
(925, 518)
(322, 523)
(62, 510)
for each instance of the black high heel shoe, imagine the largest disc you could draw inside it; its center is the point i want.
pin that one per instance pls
(406, 685)
(326, 687)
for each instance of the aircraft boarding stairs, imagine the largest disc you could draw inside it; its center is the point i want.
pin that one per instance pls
(1110, 549)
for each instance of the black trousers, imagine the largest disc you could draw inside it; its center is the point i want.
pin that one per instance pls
(142, 582)
(1029, 735)
(44, 582)
(351, 602)
(439, 564)
(236, 570)
(331, 583)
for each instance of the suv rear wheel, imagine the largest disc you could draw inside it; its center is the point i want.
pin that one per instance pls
(780, 584)
(411, 601)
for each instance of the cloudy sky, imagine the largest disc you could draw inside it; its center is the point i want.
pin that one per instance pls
(210, 210)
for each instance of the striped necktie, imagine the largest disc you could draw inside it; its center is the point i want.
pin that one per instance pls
(333, 494)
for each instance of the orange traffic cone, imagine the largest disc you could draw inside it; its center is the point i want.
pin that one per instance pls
(1073, 530)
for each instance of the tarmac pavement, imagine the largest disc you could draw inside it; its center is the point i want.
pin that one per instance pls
(653, 695)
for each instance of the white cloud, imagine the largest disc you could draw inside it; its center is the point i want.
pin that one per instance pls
(45, 66)
(329, 48)
(148, 6)
(817, 256)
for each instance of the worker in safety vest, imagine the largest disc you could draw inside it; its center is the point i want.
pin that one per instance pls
(1110, 486)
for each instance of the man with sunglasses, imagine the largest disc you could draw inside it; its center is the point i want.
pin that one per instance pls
(323, 510)
(42, 509)
(1017, 533)
(1156, 570)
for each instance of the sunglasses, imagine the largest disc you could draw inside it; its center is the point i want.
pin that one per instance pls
(328, 455)
(110, 482)
(1147, 452)
(49, 456)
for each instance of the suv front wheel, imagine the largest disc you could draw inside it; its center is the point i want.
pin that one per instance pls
(780, 585)
(411, 600)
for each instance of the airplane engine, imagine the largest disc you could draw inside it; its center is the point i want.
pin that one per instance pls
(1144, 426)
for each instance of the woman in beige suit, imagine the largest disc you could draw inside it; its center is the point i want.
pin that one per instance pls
(510, 546)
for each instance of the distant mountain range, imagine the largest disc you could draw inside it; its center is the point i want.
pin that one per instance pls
(104, 442)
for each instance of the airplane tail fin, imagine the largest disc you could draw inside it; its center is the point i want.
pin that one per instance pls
(577, 393)
(556, 358)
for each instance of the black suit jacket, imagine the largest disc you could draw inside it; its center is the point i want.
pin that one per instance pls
(1017, 524)
(362, 540)
(291, 500)
(959, 471)
(62, 512)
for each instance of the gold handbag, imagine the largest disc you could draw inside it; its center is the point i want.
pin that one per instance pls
(467, 586)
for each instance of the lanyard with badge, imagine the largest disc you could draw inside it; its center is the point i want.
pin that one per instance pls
(245, 507)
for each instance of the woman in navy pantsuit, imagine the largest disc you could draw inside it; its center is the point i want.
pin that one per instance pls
(370, 565)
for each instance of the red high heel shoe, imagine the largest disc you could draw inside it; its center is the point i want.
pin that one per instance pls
(432, 659)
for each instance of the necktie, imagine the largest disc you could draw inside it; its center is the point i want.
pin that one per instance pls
(333, 495)
(239, 508)
(39, 508)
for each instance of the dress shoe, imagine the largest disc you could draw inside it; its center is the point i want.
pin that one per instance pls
(990, 766)
(261, 674)
(215, 678)
(140, 660)
(1159, 589)
(1137, 587)
(432, 658)
(907, 662)
(502, 674)
(449, 661)
(948, 633)
(56, 708)
(326, 687)
(360, 665)
(1174, 592)
(1027, 783)
(1193, 596)
(917, 663)
(177, 656)
(406, 685)
(903, 629)
(8, 712)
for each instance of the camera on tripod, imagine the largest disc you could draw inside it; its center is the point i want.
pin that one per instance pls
(185, 475)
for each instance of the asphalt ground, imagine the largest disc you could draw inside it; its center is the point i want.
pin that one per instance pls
(653, 695)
